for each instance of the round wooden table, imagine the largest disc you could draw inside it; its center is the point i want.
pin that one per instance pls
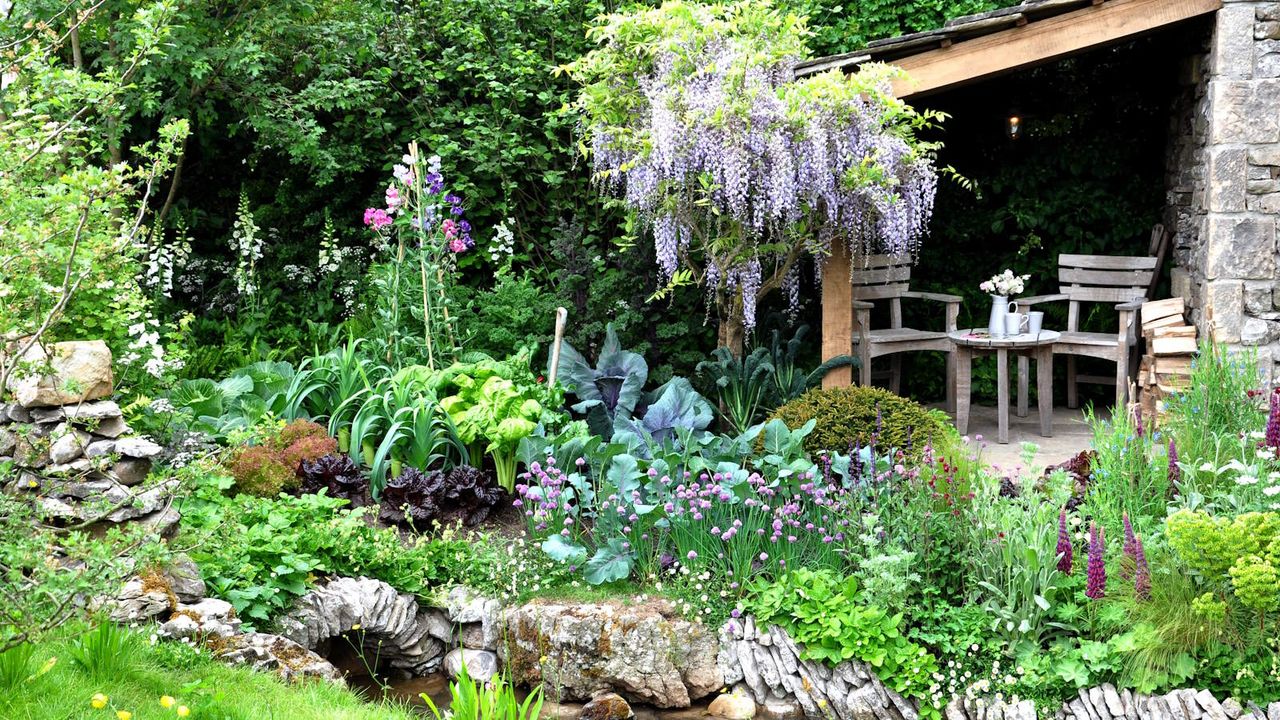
(1025, 345)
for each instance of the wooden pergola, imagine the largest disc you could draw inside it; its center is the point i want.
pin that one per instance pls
(974, 48)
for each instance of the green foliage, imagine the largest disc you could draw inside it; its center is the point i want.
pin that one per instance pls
(742, 385)
(260, 554)
(1130, 473)
(492, 700)
(500, 403)
(515, 313)
(43, 595)
(863, 416)
(1216, 404)
(105, 652)
(15, 666)
(823, 612)
(212, 689)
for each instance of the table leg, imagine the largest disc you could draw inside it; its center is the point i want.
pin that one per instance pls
(1002, 385)
(964, 369)
(1024, 371)
(1044, 388)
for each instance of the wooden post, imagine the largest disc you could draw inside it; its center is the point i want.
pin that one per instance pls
(837, 313)
(562, 317)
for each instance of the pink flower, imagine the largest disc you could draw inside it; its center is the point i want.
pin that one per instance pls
(457, 246)
(450, 228)
(376, 218)
(394, 201)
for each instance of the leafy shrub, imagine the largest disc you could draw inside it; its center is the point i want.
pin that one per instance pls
(302, 441)
(269, 550)
(258, 470)
(513, 314)
(464, 494)
(337, 474)
(275, 463)
(861, 416)
(821, 611)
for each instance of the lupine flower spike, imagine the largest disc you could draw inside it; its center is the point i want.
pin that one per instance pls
(1096, 587)
(1130, 548)
(1142, 575)
(1138, 428)
(1273, 423)
(1064, 544)
(1175, 472)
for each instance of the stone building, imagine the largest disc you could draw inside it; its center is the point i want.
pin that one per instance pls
(1223, 157)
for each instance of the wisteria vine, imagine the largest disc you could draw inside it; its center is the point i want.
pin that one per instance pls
(694, 117)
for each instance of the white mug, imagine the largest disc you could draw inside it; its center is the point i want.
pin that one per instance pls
(1013, 307)
(1035, 322)
(1014, 323)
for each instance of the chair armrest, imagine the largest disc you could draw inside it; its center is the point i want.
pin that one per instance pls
(862, 305)
(1037, 299)
(1135, 304)
(935, 297)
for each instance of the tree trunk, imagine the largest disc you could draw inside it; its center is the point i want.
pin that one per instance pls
(732, 333)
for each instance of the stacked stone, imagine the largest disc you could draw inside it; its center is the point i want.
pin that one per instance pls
(769, 663)
(1105, 702)
(1225, 182)
(71, 447)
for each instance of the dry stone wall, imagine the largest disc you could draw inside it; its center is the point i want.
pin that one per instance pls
(1224, 181)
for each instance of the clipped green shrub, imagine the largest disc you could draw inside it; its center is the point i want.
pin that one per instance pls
(846, 417)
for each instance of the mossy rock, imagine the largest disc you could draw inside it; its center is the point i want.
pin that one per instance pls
(846, 417)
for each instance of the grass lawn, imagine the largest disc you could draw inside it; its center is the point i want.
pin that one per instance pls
(136, 679)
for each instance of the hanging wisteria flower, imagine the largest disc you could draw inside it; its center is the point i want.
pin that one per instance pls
(694, 117)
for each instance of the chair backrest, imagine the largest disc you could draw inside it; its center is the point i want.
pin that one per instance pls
(876, 277)
(1104, 279)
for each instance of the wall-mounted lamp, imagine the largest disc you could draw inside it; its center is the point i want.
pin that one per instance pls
(1014, 127)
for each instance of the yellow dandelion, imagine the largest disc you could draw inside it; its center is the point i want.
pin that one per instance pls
(183, 711)
(124, 715)
(167, 701)
(99, 701)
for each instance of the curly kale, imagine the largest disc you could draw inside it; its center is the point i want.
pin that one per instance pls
(418, 498)
(336, 473)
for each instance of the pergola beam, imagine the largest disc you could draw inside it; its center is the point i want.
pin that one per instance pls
(1040, 41)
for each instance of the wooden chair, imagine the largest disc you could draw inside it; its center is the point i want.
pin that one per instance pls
(887, 277)
(1124, 280)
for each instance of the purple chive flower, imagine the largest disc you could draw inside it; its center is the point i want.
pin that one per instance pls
(1130, 547)
(692, 554)
(1064, 544)
(1175, 472)
(1142, 576)
(1096, 586)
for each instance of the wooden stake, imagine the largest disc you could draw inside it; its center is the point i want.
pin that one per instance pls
(562, 316)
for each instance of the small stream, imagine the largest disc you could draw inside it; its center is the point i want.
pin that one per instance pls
(436, 686)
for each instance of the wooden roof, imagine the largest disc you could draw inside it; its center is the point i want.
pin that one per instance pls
(978, 46)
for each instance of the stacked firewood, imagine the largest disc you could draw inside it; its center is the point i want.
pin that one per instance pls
(1165, 367)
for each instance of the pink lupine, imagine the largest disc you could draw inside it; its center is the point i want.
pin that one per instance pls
(1096, 587)
(1064, 544)
(1142, 576)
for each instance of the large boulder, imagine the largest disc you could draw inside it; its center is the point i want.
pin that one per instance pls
(643, 651)
(481, 665)
(287, 658)
(78, 371)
